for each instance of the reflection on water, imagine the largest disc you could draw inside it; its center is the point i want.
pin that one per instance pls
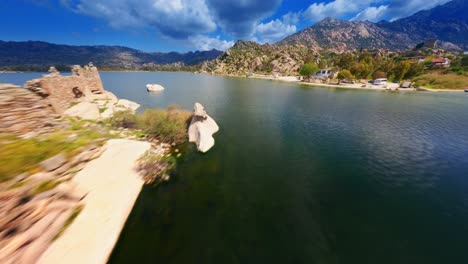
(305, 175)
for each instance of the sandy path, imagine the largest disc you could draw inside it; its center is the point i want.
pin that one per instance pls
(113, 188)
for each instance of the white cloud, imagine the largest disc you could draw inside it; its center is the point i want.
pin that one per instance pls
(202, 42)
(368, 9)
(273, 31)
(373, 14)
(175, 18)
(335, 9)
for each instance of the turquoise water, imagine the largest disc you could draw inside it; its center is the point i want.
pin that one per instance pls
(304, 175)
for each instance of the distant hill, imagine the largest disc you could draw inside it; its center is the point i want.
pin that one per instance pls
(340, 36)
(448, 22)
(40, 53)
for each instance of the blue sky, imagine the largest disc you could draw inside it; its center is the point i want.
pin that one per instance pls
(183, 25)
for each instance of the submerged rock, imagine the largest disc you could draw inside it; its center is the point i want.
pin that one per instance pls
(201, 129)
(154, 88)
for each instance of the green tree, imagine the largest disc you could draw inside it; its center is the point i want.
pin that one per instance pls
(323, 63)
(346, 61)
(414, 70)
(345, 74)
(308, 69)
(401, 69)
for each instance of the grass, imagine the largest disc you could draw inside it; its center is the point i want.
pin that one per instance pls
(24, 155)
(437, 80)
(169, 125)
(44, 186)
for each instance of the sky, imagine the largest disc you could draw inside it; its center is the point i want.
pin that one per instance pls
(184, 25)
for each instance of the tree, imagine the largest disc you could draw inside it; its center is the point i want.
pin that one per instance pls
(414, 70)
(345, 74)
(323, 63)
(346, 61)
(379, 74)
(401, 69)
(308, 69)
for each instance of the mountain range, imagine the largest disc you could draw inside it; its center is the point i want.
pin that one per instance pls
(38, 53)
(447, 23)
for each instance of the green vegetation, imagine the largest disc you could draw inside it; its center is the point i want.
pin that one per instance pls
(345, 74)
(24, 155)
(167, 125)
(442, 81)
(308, 69)
(44, 186)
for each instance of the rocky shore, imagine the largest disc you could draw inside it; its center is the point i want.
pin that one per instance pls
(73, 204)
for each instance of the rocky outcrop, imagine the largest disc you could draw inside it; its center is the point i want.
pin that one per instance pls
(248, 57)
(23, 112)
(201, 129)
(154, 88)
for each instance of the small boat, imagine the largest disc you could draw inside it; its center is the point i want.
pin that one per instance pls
(466, 90)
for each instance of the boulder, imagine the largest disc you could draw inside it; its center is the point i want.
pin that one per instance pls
(201, 129)
(84, 110)
(154, 88)
(128, 104)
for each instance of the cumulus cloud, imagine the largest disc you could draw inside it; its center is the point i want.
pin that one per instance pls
(276, 30)
(372, 13)
(372, 10)
(238, 18)
(202, 42)
(175, 18)
(335, 9)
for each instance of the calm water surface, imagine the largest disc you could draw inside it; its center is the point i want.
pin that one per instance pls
(304, 175)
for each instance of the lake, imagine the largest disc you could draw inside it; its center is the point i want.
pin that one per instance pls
(302, 174)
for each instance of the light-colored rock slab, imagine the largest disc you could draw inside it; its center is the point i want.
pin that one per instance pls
(113, 187)
(201, 129)
(84, 110)
(128, 104)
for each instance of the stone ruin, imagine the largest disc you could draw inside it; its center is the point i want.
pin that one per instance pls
(60, 91)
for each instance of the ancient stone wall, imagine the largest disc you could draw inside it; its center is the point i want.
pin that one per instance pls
(22, 111)
(60, 91)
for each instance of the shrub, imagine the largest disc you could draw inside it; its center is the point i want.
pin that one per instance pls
(379, 74)
(125, 119)
(308, 69)
(345, 74)
(167, 125)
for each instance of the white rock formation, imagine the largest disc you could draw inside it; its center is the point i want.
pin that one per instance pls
(201, 129)
(84, 110)
(128, 104)
(154, 88)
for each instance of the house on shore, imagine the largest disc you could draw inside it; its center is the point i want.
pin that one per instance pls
(441, 62)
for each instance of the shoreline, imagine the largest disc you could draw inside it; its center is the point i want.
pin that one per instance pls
(356, 86)
(92, 236)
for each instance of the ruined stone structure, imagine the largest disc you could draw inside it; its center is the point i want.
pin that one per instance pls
(22, 111)
(60, 91)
